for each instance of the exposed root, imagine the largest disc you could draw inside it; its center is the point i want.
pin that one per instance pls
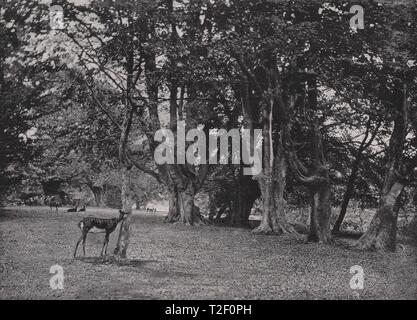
(368, 243)
(321, 240)
(265, 229)
(172, 219)
(113, 259)
(288, 229)
(377, 239)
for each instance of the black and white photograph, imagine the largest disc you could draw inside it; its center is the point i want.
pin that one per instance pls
(208, 154)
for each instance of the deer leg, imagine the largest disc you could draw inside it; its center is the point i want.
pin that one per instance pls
(84, 238)
(76, 247)
(105, 244)
(107, 241)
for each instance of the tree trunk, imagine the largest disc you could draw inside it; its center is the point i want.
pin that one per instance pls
(272, 184)
(317, 178)
(382, 232)
(190, 214)
(354, 173)
(247, 193)
(347, 196)
(174, 212)
(181, 205)
(320, 214)
(98, 193)
(127, 202)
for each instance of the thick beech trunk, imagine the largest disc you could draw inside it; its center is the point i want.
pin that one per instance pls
(174, 212)
(382, 232)
(320, 207)
(181, 206)
(190, 213)
(317, 178)
(320, 214)
(247, 193)
(272, 184)
(272, 179)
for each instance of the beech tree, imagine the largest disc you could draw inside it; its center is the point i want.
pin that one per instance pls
(400, 56)
(145, 73)
(284, 52)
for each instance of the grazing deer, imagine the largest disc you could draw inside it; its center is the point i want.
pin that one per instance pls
(102, 225)
(72, 209)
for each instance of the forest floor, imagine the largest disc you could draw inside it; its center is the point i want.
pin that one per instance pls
(180, 262)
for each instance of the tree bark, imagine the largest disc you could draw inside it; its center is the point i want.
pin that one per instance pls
(320, 214)
(184, 185)
(272, 179)
(174, 212)
(190, 213)
(98, 193)
(382, 232)
(247, 193)
(317, 179)
(347, 196)
(127, 202)
(321, 207)
(353, 176)
(272, 184)
(127, 196)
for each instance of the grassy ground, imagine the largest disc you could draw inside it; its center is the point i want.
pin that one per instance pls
(179, 262)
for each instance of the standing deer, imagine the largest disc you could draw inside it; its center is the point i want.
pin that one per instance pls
(103, 225)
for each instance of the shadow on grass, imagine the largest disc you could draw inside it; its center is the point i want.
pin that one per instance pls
(107, 260)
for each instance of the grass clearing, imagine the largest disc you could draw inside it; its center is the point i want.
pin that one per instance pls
(180, 262)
